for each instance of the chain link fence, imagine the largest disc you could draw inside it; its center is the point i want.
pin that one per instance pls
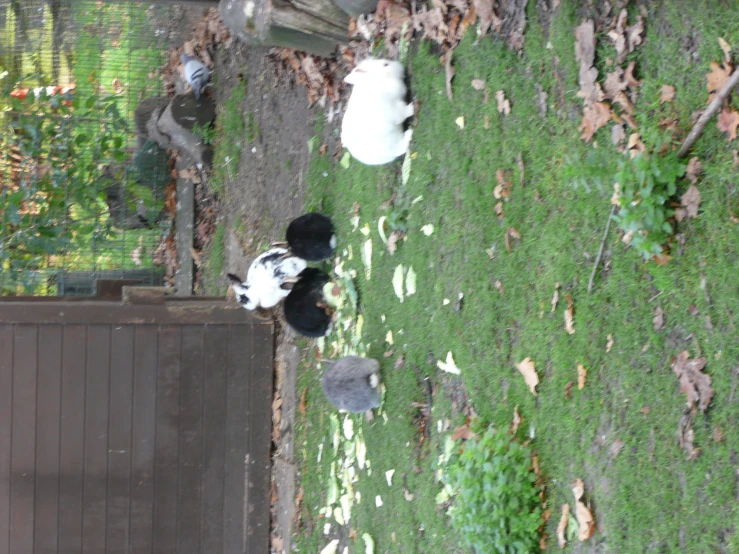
(80, 197)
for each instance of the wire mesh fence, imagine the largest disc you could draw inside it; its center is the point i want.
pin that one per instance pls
(80, 198)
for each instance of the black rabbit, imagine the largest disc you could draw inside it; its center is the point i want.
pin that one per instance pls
(311, 237)
(306, 310)
(353, 384)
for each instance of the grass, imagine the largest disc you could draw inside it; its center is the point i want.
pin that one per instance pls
(649, 498)
(229, 138)
(214, 262)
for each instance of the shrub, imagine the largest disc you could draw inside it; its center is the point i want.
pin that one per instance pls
(645, 184)
(497, 506)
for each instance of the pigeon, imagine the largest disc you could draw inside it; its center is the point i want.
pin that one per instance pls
(196, 74)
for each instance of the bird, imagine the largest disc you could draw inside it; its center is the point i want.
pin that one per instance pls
(270, 278)
(196, 74)
(311, 237)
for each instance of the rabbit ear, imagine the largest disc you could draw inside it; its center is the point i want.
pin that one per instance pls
(356, 75)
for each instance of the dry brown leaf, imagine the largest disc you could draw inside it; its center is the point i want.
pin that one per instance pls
(303, 398)
(635, 146)
(499, 286)
(586, 524)
(516, 422)
(594, 117)
(449, 71)
(631, 81)
(522, 169)
(618, 37)
(535, 464)
(695, 168)
(568, 390)
(616, 447)
(629, 119)
(504, 106)
(528, 369)
(686, 436)
(562, 526)
(555, 297)
(407, 494)
(478, 84)
(718, 434)
(510, 234)
(463, 432)
(659, 318)
(668, 94)
(693, 382)
(634, 33)
(691, 200)
(609, 344)
(498, 208)
(645, 410)
(486, 15)
(614, 83)
(662, 259)
(392, 240)
(716, 78)
(585, 43)
(582, 375)
(503, 188)
(728, 121)
(486, 121)
(569, 316)
(399, 362)
(726, 47)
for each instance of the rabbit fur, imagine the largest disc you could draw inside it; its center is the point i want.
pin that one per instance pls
(311, 237)
(372, 128)
(268, 280)
(305, 305)
(353, 384)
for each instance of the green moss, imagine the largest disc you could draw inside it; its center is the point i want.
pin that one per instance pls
(229, 140)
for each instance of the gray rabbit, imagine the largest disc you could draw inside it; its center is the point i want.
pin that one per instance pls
(353, 384)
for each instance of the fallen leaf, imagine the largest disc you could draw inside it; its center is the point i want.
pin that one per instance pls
(631, 81)
(555, 297)
(614, 83)
(634, 33)
(568, 390)
(528, 369)
(582, 375)
(609, 344)
(635, 146)
(303, 397)
(503, 188)
(345, 160)
(398, 282)
(584, 517)
(668, 94)
(695, 168)
(389, 477)
(449, 71)
(659, 318)
(463, 432)
(407, 495)
(562, 526)
(618, 36)
(618, 134)
(728, 121)
(521, 168)
(569, 316)
(504, 106)
(717, 78)
(331, 548)
(400, 362)
(460, 122)
(516, 422)
(726, 47)
(478, 84)
(691, 200)
(499, 286)
(616, 447)
(645, 410)
(693, 382)
(511, 233)
(369, 543)
(410, 282)
(367, 259)
(686, 435)
(594, 117)
(498, 209)
(427, 229)
(392, 241)
(449, 366)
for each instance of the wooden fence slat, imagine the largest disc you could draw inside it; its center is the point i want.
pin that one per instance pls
(6, 405)
(47, 449)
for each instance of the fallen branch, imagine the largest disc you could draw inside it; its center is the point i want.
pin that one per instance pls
(709, 112)
(600, 252)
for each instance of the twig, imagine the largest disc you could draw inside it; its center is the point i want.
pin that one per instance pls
(710, 111)
(600, 252)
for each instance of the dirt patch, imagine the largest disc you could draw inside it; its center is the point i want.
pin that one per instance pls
(267, 188)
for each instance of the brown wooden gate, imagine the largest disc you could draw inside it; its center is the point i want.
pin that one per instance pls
(134, 428)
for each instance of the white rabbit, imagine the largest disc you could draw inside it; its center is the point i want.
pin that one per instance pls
(372, 128)
(269, 279)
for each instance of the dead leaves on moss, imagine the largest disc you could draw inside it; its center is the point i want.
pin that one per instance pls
(728, 121)
(693, 382)
(528, 369)
(586, 523)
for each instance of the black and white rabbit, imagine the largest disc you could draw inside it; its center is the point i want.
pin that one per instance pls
(372, 128)
(269, 279)
(305, 306)
(353, 384)
(311, 237)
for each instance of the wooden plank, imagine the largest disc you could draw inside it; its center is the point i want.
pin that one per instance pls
(71, 450)
(167, 426)
(190, 439)
(214, 437)
(23, 454)
(146, 339)
(144, 296)
(259, 427)
(6, 405)
(119, 439)
(99, 312)
(96, 439)
(48, 417)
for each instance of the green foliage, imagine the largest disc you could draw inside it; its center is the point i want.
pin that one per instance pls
(497, 506)
(205, 133)
(646, 183)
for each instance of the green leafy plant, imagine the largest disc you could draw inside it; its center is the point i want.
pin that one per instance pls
(205, 133)
(645, 185)
(496, 505)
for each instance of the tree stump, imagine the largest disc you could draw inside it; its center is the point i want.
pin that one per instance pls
(313, 26)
